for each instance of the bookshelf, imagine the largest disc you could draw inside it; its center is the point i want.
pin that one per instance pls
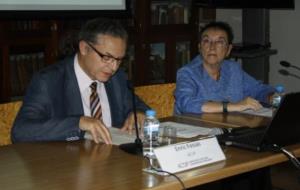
(26, 47)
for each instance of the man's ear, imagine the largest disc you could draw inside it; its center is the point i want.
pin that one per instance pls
(199, 47)
(83, 48)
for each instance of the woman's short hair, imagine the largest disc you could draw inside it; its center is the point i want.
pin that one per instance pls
(220, 26)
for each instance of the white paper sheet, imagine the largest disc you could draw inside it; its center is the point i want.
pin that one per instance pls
(118, 136)
(267, 112)
(183, 131)
(189, 131)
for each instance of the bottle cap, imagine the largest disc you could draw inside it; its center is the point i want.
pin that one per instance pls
(150, 113)
(279, 88)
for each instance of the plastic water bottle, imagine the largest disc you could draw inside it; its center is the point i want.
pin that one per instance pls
(279, 92)
(151, 134)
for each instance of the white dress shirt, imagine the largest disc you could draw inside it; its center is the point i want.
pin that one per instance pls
(84, 82)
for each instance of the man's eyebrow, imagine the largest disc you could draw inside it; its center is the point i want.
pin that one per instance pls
(110, 55)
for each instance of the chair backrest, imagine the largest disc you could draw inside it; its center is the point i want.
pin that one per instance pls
(8, 112)
(159, 97)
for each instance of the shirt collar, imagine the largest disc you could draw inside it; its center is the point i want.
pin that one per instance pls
(84, 81)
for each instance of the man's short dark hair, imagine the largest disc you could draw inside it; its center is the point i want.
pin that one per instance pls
(220, 26)
(104, 26)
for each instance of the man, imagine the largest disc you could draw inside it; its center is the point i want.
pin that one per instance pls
(84, 93)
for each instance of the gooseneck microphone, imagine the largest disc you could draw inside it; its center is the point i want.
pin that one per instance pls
(287, 64)
(283, 72)
(284, 63)
(287, 73)
(137, 146)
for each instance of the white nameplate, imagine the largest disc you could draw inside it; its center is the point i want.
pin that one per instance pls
(183, 156)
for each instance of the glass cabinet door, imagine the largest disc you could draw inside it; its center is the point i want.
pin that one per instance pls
(170, 12)
(129, 61)
(183, 53)
(157, 59)
(22, 68)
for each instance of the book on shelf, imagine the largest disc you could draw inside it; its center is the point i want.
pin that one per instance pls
(22, 73)
(175, 12)
(159, 13)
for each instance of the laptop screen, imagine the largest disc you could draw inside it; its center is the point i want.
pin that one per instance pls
(284, 128)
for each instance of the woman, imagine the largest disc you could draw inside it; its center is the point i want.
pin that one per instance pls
(211, 84)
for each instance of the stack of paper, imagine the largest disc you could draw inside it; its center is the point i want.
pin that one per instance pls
(266, 112)
(118, 136)
(182, 131)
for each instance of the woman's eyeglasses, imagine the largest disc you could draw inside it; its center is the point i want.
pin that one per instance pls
(220, 43)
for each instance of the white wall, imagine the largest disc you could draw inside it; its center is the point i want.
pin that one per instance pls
(234, 18)
(284, 36)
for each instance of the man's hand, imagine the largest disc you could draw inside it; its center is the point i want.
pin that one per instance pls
(129, 123)
(97, 129)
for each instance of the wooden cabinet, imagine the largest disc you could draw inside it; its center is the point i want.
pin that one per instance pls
(26, 46)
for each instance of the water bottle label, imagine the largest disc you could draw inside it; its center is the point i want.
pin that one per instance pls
(151, 129)
(276, 100)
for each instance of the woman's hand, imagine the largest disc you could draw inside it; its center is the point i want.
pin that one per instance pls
(247, 103)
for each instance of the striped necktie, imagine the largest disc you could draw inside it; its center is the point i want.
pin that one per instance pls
(95, 105)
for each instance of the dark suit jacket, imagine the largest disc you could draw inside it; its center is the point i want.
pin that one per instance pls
(52, 106)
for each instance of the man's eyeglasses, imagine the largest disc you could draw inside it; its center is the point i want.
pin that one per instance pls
(220, 43)
(106, 58)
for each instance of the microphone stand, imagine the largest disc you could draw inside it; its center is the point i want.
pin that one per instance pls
(287, 64)
(135, 148)
(293, 75)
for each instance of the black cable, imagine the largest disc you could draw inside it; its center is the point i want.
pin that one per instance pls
(289, 155)
(162, 171)
(294, 160)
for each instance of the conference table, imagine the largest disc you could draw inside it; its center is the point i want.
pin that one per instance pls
(85, 165)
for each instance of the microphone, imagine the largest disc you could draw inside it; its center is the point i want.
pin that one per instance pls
(287, 73)
(283, 72)
(287, 64)
(136, 147)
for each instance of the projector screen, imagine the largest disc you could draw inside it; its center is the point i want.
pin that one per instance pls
(52, 5)
(63, 9)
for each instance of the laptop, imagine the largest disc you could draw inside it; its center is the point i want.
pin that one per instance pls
(283, 130)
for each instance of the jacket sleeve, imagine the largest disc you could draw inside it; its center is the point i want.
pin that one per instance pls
(39, 118)
(256, 89)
